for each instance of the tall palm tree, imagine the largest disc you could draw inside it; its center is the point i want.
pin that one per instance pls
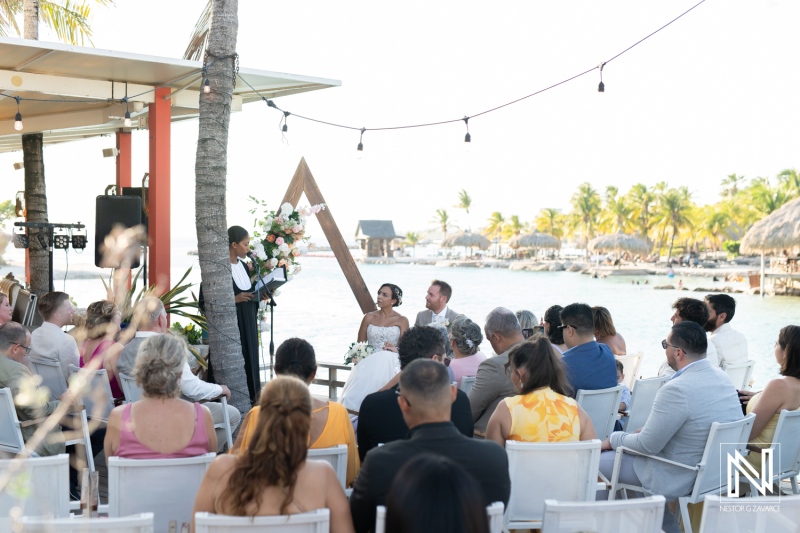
(676, 208)
(789, 180)
(585, 209)
(494, 228)
(464, 202)
(70, 21)
(641, 200)
(211, 168)
(764, 197)
(731, 185)
(550, 221)
(412, 238)
(513, 227)
(616, 213)
(442, 219)
(713, 223)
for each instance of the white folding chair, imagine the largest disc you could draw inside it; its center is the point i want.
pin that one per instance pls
(724, 440)
(129, 388)
(494, 513)
(740, 373)
(786, 450)
(314, 522)
(640, 515)
(642, 398)
(11, 440)
(602, 406)
(140, 523)
(630, 367)
(466, 383)
(53, 379)
(226, 421)
(165, 487)
(97, 397)
(39, 486)
(773, 515)
(51, 372)
(562, 470)
(336, 456)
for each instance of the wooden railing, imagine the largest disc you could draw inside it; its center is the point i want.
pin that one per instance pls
(334, 378)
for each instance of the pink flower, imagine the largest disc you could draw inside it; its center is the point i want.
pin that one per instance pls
(279, 241)
(297, 228)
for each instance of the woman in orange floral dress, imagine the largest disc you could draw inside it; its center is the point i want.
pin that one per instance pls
(542, 412)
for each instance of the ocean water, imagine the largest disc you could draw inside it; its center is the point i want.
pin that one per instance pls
(319, 306)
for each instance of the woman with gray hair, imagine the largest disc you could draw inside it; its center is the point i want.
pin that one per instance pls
(160, 425)
(465, 339)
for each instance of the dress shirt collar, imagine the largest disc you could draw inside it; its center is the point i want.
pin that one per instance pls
(439, 317)
(50, 327)
(682, 370)
(723, 329)
(434, 430)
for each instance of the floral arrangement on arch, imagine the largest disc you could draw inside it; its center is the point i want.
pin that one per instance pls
(279, 238)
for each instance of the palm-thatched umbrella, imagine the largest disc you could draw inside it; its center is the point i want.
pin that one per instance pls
(777, 231)
(535, 240)
(618, 241)
(466, 239)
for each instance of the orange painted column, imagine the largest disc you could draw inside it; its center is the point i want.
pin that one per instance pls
(158, 198)
(124, 160)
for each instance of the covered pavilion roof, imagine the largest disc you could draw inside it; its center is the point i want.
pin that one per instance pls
(78, 89)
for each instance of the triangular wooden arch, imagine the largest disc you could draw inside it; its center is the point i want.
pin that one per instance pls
(302, 182)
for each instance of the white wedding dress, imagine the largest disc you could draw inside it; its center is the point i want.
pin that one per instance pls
(372, 373)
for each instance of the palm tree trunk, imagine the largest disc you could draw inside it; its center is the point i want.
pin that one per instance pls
(671, 243)
(211, 169)
(36, 209)
(35, 192)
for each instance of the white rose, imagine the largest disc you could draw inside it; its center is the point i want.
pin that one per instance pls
(262, 255)
(305, 212)
(286, 210)
(284, 248)
(273, 263)
(267, 223)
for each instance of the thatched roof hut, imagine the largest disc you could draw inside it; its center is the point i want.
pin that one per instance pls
(780, 230)
(535, 240)
(467, 239)
(619, 241)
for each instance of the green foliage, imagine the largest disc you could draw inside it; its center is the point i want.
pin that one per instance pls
(732, 247)
(193, 334)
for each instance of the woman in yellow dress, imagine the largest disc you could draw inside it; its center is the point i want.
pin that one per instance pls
(779, 394)
(330, 423)
(542, 412)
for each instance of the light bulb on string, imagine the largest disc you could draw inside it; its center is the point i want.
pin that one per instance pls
(360, 147)
(285, 128)
(207, 86)
(18, 117)
(467, 137)
(601, 88)
(127, 117)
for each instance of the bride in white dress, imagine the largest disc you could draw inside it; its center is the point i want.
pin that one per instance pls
(382, 330)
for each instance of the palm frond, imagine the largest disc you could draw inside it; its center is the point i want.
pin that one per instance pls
(199, 38)
(68, 19)
(9, 9)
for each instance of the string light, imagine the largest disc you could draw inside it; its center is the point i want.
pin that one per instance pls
(361, 144)
(18, 118)
(602, 87)
(285, 128)
(207, 86)
(467, 137)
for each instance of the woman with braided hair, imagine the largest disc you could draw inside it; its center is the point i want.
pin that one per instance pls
(271, 476)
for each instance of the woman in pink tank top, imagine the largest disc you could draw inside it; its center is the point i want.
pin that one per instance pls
(160, 425)
(102, 326)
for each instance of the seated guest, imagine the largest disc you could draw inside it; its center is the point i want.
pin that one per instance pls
(160, 425)
(779, 394)
(150, 319)
(6, 311)
(731, 344)
(330, 423)
(542, 412)
(492, 383)
(465, 340)
(695, 311)
(443, 496)
(551, 323)
(605, 332)
(369, 375)
(14, 344)
(590, 365)
(527, 322)
(272, 476)
(679, 423)
(102, 326)
(625, 399)
(425, 397)
(49, 341)
(381, 420)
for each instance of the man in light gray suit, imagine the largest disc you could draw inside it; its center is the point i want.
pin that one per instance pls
(436, 308)
(678, 427)
(150, 318)
(492, 383)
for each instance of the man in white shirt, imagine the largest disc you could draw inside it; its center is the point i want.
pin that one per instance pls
(731, 345)
(690, 310)
(436, 309)
(151, 319)
(49, 340)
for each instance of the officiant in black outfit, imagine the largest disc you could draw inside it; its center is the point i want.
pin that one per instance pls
(246, 309)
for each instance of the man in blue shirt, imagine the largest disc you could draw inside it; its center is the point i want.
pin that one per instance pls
(590, 365)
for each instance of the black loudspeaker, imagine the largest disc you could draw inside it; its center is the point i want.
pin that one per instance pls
(111, 211)
(141, 193)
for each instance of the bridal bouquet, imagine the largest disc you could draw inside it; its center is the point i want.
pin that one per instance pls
(279, 238)
(357, 352)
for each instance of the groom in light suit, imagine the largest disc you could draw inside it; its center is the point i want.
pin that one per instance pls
(436, 300)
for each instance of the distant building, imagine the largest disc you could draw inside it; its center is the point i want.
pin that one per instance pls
(375, 237)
